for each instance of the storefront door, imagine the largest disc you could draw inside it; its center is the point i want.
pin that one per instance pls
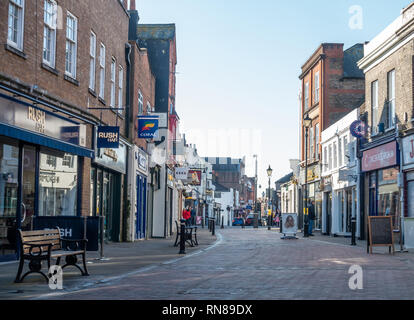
(328, 200)
(28, 187)
(140, 225)
(107, 204)
(10, 218)
(9, 165)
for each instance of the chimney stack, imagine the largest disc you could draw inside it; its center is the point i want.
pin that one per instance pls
(133, 7)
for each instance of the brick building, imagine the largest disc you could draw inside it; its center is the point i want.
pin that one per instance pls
(331, 86)
(160, 42)
(141, 92)
(387, 152)
(62, 74)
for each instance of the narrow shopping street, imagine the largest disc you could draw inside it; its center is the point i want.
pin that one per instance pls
(250, 264)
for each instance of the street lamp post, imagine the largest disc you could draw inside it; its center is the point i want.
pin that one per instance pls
(255, 185)
(269, 174)
(307, 123)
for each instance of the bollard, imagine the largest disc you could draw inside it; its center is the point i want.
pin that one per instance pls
(353, 228)
(182, 237)
(243, 224)
(280, 225)
(102, 220)
(222, 222)
(213, 232)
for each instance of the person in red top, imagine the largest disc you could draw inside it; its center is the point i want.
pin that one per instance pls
(186, 215)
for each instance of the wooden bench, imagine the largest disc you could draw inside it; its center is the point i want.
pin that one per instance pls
(42, 245)
(190, 235)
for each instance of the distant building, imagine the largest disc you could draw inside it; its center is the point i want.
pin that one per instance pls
(228, 172)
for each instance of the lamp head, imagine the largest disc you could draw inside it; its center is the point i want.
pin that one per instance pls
(269, 171)
(307, 122)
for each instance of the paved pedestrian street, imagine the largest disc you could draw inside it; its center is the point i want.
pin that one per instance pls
(255, 264)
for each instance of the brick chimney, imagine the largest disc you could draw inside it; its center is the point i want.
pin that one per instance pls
(132, 5)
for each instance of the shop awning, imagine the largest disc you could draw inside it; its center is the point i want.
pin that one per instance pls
(27, 136)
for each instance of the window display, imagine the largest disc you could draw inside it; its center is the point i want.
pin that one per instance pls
(57, 184)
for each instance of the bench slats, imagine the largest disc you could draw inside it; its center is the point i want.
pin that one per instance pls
(38, 238)
(39, 232)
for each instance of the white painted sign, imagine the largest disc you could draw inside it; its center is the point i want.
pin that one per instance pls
(181, 173)
(408, 148)
(162, 119)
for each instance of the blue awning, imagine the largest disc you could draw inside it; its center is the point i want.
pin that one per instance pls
(31, 137)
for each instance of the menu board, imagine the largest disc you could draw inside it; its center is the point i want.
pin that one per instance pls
(380, 232)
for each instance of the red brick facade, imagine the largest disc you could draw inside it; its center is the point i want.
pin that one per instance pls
(25, 71)
(339, 93)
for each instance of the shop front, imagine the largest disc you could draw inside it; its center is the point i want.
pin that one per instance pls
(106, 183)
(382, 183)
(141, 176)
(41, 163)
(408, 169)
(314, 193)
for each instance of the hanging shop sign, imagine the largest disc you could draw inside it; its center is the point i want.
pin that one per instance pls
(148, 127)
(114, 159)
(162, 119)
(32, 118)
(380, 157)
(170, 178)
(142, 160)
(108, 137)
(181, 173)
(358, 129)
(408, 147)
(194, 177)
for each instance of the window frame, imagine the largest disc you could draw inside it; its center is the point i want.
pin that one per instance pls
(317, 141)
(52, 28)
(113, 83)
(102, 70)
(140, 102)
(92, 61)
(74, 42)
(317, 87)
(120, 88)
(374, 107)
(391, 100)
(19, 45)
(306, 96)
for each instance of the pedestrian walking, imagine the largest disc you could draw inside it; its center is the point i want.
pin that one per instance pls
(311, 217)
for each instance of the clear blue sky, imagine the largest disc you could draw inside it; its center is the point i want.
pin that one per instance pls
(238, 68)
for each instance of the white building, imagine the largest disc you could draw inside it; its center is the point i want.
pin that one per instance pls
(226, 198)
(339, 177)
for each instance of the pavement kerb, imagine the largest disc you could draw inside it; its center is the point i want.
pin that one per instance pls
(132, 273)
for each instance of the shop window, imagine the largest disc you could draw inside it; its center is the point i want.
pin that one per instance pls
(8, 196)
(389, 195)
(57, 184)
(410, 195)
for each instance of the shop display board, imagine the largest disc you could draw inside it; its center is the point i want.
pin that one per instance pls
(380, 232)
